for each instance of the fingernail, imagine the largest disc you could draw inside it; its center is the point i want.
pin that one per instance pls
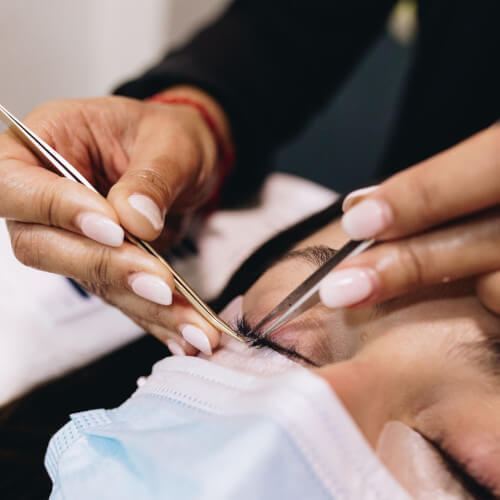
(175, 348)
(151, 287)
(148, 208)
(351, 198)
(367, 219)
(347, 287)
(196, 338)
(100, 228)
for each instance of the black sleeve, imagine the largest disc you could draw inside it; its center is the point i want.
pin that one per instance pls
(271, 65)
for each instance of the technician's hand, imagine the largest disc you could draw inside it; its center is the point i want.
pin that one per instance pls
(156, 160)
(437, 221)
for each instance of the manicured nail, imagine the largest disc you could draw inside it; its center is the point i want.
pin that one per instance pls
(346, 287)
(175, 348)
(100, 228)
(196, 338)
(367, 219)
(351, 198)
(148, 208)
(151, 287)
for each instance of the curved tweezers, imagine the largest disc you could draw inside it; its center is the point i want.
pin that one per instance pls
(46, 154)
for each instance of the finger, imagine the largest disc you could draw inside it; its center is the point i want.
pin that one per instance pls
(466, 248)
(449, 185)
(356, 196)
(180, 320)
(101, 268)
(165, 162)
(176, 345)
(32, 194)
(488, 291)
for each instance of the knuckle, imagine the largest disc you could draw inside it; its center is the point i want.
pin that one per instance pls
(425, 197)
(24, 245)
(155, 314)
(411, 264)
(48, 201)
(100, 268)
(99, 289)
(155, 179)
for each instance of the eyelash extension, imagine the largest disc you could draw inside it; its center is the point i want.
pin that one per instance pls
(255, 339)
(459, 471)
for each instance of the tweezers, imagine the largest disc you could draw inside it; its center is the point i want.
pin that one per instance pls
(306, 295)
(48, 155)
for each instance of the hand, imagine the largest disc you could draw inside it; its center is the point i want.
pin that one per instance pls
(437, 221)
(151, 159)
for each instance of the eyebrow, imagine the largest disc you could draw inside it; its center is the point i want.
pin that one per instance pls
(315, 254)
(485, 353)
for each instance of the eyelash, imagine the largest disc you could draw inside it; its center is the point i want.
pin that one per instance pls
(255, 339)
(459, 471)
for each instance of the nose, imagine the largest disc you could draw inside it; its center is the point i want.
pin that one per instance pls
(368, 392)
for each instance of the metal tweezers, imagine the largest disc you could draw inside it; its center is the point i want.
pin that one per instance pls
(46, 154)
(306, 295)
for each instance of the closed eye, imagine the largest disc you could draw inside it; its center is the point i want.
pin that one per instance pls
(459, 471)
(255, 339)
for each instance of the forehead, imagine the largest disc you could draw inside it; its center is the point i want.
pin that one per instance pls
(331, 235)
(281, 278)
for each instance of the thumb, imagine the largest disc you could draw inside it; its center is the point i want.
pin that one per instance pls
(162, 166)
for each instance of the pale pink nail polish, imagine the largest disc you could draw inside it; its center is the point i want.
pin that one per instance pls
(100, 228)
(347, 287)
(175, 348)
(197, 338)
(147, 208)
(367, 219)
(352, 197)
(151, 288)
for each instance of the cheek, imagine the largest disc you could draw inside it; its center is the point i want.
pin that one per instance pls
(336, 340)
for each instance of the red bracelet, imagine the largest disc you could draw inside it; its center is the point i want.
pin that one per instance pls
(226, 151)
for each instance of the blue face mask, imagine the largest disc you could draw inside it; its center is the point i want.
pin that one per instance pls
(198, 430)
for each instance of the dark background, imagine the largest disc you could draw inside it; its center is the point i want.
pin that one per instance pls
(352, 132)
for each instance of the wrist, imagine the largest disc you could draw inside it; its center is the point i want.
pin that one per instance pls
(213, 108)
(216, 121)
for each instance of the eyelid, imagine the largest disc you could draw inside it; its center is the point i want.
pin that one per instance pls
(458, 469)
(255, 340)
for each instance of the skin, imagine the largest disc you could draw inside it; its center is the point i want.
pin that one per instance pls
(411, 359)
(123, 146)
(168, 153)
(454, 189)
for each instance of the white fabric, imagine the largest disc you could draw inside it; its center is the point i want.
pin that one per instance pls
(46, 328)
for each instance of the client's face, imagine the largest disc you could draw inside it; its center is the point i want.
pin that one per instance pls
(430, 360)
